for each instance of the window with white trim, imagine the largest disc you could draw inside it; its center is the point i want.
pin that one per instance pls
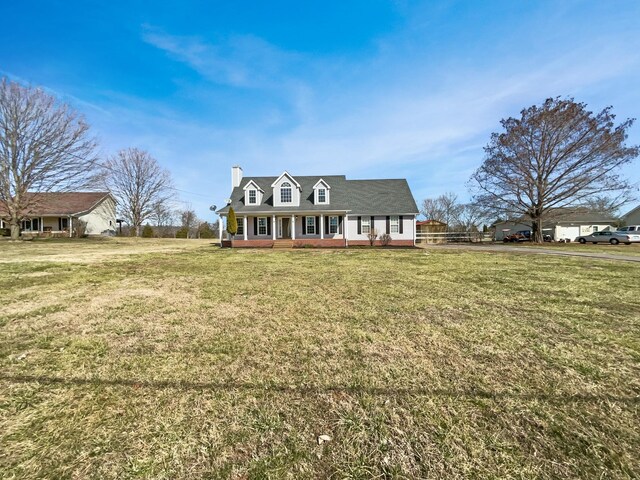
(322, 195)
(596, 228)
(285, 193)
(240, 230)
(333, 224)
(394, 224)
(253, 197)
(262, 225)
(366, 225)
(311, 225)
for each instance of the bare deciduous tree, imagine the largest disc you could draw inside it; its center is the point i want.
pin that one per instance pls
(139, 183)
(444, 208)
(189, 221)
(608, 205)
(163, 215)
(469, 218)
(44, 146)
(555, 156)
(372, 236)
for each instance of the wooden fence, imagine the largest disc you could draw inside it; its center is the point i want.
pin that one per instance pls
(453, 237)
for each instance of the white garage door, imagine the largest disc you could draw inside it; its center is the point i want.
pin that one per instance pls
(570, 232)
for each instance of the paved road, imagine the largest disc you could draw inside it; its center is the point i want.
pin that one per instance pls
(538, 251)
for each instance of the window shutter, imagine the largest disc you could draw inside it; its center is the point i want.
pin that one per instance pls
(340, 225)
(326, 224)
(269, 226)
(373, 223)
(359, 225)
(388, 224)
(304, 225)
(317, 226)
(400, 221)
(255, 225)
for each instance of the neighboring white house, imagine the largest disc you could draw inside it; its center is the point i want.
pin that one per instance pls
(57, 212)
(632, 217)
(326, 210)
(568, 226)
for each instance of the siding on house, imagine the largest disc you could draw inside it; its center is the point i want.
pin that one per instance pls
(102, 219)
(632, 217)
(54, 211)
(406, 232)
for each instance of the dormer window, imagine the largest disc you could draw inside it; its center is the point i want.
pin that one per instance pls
(252, 197)
(321, 193)
(285, 192)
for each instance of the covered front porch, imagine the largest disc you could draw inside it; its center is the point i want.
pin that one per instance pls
(294, 230)
(44, 225)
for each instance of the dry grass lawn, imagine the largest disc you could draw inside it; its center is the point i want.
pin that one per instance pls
(165, 359)
(632, 250)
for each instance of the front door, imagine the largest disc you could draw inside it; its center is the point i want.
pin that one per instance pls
(283, 227)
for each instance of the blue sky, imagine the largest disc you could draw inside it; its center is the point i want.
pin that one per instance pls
(370, 89)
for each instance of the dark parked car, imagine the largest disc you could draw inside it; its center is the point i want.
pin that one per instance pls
(523, 236)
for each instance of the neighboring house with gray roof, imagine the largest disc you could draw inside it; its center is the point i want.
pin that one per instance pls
(632, 217)
(58, 213)
(319, 210)
(562, 225)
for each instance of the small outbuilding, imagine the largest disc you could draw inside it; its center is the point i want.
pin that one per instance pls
(426, 228)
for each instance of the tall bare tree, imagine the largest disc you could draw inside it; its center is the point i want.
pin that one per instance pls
(445, 209)
(470, 217)
(162, 215)
(139, 183)
(555, 156)
(44, 146)
(189, 220)
(164, 219)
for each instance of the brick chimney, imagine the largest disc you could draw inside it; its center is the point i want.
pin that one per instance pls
(236, 176)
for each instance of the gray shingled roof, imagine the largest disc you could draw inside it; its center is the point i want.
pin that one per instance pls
(367, 197)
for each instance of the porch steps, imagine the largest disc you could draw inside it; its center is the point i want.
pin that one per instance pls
(283, 243)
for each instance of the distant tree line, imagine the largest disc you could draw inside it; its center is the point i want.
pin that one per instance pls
(459, 217)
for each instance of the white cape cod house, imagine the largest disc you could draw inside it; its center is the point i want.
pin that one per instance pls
(321, 211)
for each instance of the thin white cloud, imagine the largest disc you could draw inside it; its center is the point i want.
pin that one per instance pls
(240, 60)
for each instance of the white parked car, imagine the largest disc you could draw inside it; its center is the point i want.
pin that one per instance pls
(613, 238)
(630, 229)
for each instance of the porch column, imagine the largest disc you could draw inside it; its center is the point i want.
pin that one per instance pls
(273, 226)
(220, 229)
(293, 227)
(345, 227)
(41, 225)
(244, 227)
(70, 227)
(322, 226)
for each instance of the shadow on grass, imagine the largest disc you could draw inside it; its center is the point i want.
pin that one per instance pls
(472, 394)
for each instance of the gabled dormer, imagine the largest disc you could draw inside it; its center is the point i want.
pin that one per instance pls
(321, 193)
(253, 194)
(286, 191)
